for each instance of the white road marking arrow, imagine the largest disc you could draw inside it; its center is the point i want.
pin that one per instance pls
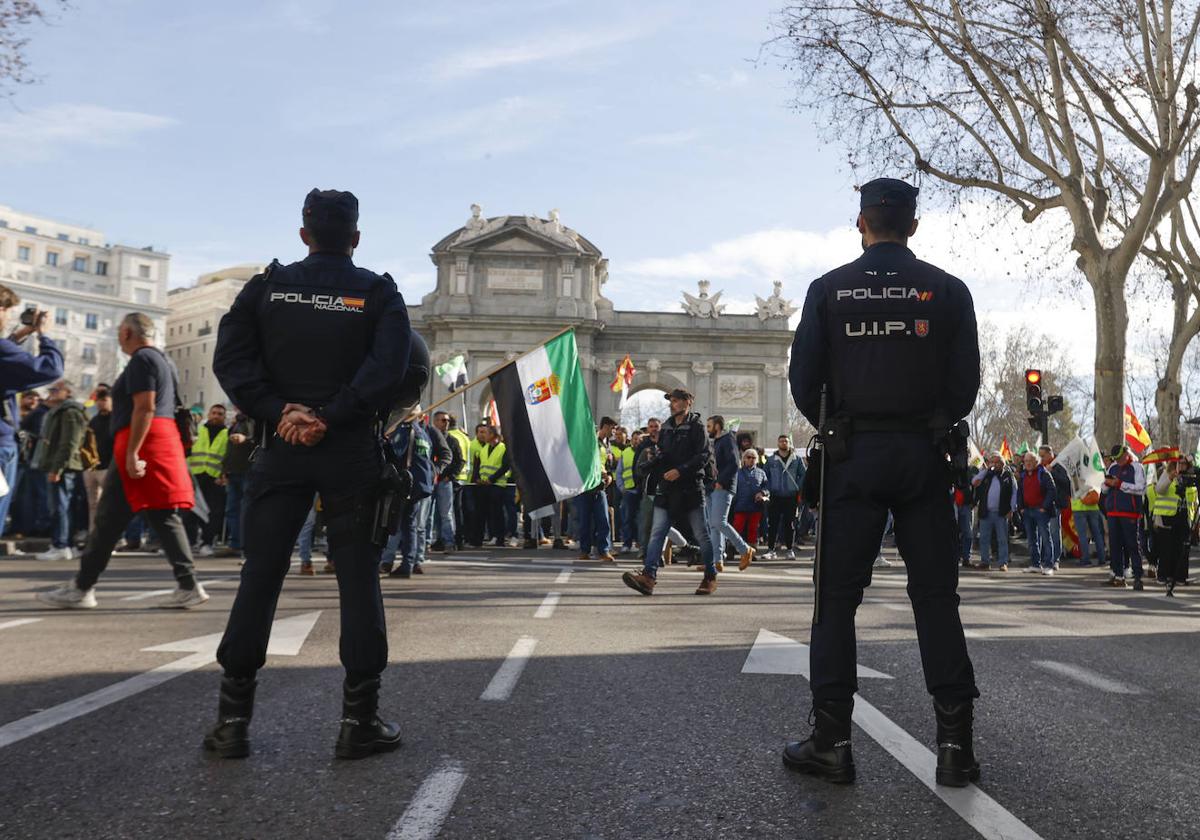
(287, 637)
(775, 654)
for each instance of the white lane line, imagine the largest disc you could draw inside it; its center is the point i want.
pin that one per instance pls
(1088, 678)
(502, 684)
(41, 721)
(979, 810)
(18, 622)
(424, 816)
(563, 576)
(154, 593)
(548, 604)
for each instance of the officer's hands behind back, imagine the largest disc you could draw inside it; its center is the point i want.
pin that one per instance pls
(299, 426)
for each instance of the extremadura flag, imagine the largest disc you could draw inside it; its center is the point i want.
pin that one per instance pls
(546, 419)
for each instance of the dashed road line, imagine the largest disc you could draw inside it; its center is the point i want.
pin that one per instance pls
(563, 576)
(548, 604)
(1087, 677)
(425, 814)
(18, 622)
(505, 680)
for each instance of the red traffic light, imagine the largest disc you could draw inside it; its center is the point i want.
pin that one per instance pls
(1033, 377)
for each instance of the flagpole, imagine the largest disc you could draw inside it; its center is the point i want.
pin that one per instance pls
(497, 369)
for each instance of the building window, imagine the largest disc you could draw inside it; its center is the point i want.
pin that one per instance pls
(23, 253)
(86, 381)
(30, 229)
(188, 352)
(52, 258)
(79, 264)
(144, 271)
(101, 268)
(91, 321)
(60, 317)
(186, 371)
(201, 376)
(89, 352)
(3, 222)
(83, 240)
(64, 237)
(141, 295)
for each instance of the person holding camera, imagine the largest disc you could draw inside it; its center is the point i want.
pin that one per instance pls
(20, 369)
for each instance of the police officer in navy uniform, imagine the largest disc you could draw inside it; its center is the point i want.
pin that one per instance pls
(315, 351)
(894, 340)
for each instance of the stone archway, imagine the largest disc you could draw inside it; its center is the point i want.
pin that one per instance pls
(506, 283)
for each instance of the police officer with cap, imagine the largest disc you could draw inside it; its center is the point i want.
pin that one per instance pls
(315, 351)
(894, 342)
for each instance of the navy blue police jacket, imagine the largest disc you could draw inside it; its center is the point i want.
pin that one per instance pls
(322, 332)
(895, 338)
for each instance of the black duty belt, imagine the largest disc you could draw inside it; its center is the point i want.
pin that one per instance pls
(889, 424)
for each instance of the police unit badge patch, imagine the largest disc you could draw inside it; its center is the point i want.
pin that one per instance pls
(921, 327)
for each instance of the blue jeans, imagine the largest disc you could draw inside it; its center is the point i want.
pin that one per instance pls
(234, 492)
(1055, 537)
(993, 523)
(660, 527)
(8, 466)
(964, 532)
(443, 512)
(1123, 546)
(591, 510)
(1037, 532)
(631, 501)
(60, 508)
(306, 536)
(1089, 524)
(719, 526)
(412, 544)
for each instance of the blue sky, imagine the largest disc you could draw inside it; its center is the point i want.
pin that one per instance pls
(660, 130)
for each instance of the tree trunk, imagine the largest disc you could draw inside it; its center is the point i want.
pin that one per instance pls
(1112, 323)
(1166, 396)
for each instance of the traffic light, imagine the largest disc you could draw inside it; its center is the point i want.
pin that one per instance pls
(1033, 391)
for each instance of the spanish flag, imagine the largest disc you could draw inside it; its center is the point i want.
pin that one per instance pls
(1135, 435)
(624, 378)
(1005, 452)
(1162, 455)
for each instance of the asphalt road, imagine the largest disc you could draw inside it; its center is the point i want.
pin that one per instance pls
(595, 714)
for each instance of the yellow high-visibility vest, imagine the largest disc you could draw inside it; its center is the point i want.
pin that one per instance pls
(626, 456)
(490, 459)
(464, 446)
(1167, 504)
(207, 454)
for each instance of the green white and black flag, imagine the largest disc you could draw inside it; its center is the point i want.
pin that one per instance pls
(547, 422)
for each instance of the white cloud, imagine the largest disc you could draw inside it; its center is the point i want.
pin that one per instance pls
(731, 81)
(555, 45)
(666, 138)
(507, 125)
(38, 133)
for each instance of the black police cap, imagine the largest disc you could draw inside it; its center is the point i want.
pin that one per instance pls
(887, 192)
(327, 209)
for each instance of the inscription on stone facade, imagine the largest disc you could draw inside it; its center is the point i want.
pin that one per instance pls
(515, 279)
(737, 391)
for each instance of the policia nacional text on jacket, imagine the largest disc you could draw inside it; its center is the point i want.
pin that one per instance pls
(333, 338)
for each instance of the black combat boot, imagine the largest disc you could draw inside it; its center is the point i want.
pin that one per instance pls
(956, 764)
(230, 738)
(363, 733)
(826, 753)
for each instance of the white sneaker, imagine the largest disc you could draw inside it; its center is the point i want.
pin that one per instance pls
(1128, 573)
(882, 562)
(69, 597)
(788, 555)
(770, 555)
(1048, 571)
(185, 599)
(1033, 570)
(64, 553)
(205, 551)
